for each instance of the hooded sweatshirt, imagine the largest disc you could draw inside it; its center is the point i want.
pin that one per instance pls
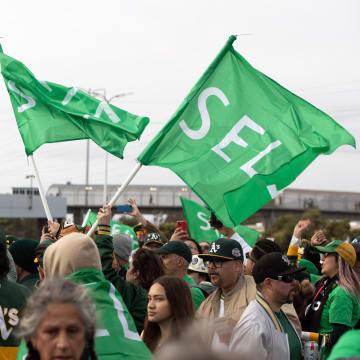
(71, 253)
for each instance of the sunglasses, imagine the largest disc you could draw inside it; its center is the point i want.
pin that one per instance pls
(288, 278)
(205, 247)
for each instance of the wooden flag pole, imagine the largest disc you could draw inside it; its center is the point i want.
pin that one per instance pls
(41, 190)
(118, 193)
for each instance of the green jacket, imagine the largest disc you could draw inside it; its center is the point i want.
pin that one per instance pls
(134, 296)
(196, 294)
(30, 281)
(12, 301)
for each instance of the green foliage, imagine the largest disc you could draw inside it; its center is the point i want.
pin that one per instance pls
(283, 228)
(21, 228)
(168, 228)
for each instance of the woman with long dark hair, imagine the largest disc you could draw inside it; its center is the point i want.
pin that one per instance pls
(335, 307)
(170, 310)
(145, 268)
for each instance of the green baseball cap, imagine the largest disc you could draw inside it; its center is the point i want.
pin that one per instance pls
(176, 247)
(23, 253)
(345, 250)
(224, 249)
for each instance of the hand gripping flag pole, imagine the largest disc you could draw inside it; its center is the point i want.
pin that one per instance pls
(122, 188)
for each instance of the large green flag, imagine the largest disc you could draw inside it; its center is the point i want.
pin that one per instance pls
(239, 137)
(197, 219)
(46, 112)
(116, 227)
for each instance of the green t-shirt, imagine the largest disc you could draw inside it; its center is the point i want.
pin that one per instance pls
(294, 342)
(196, 294)
(340, 308)
(347, 346)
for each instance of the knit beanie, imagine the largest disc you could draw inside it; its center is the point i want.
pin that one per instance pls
(122, 245)
(23, 253)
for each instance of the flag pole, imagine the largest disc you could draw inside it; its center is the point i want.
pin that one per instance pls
(118, 193)
(86, 218)
(41, 190)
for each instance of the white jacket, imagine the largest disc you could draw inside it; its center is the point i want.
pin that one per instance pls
(256, 334)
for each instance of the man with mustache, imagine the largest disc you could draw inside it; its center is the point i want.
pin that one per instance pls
(224, 307)
(264, 330)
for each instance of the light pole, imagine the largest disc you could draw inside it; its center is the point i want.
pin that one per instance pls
(31, 177)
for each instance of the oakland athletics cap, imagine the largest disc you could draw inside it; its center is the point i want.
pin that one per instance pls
(345, 250)
(154, 238)
(273, 265)
(224, 249)
(176, 247)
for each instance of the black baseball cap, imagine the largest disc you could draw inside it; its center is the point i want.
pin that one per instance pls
(176, 247)
(224, 249)
(273, 265)
(153, 238)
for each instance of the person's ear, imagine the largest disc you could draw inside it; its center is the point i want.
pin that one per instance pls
(238, 266)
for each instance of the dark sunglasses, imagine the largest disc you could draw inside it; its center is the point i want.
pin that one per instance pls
(287, 278)
(205, 247)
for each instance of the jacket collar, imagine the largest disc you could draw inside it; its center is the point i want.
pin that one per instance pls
(86, 276)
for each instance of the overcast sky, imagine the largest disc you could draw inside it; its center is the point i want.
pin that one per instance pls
(157, 50)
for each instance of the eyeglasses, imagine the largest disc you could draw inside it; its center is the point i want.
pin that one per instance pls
(287, 278)
(205, 247)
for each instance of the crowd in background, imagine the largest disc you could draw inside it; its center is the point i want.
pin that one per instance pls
(71, 296)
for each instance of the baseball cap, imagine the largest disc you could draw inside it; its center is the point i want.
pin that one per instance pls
(197, 264)
(345, 250)
(275, 266)
(154, 238)
(176, 247)
(224, 249)
(23, 253)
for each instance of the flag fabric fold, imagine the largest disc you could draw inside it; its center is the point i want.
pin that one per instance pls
(47, 112)
(239, 137)
(197, 219)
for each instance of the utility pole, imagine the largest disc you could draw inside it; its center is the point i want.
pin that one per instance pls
(31, 177)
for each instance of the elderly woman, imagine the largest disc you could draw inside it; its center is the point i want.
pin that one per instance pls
(59, 322)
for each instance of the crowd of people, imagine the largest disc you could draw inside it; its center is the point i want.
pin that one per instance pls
(71, 296)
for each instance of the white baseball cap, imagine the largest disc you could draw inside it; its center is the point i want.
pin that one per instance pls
(198, 265)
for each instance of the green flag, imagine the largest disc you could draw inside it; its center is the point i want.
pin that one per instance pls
(116, 227)
(239, 137)
(46, 112)
(197, 219)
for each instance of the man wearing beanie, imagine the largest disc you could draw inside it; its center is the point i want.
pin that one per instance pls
(122, 250)
(23, 253)
(264, 330)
